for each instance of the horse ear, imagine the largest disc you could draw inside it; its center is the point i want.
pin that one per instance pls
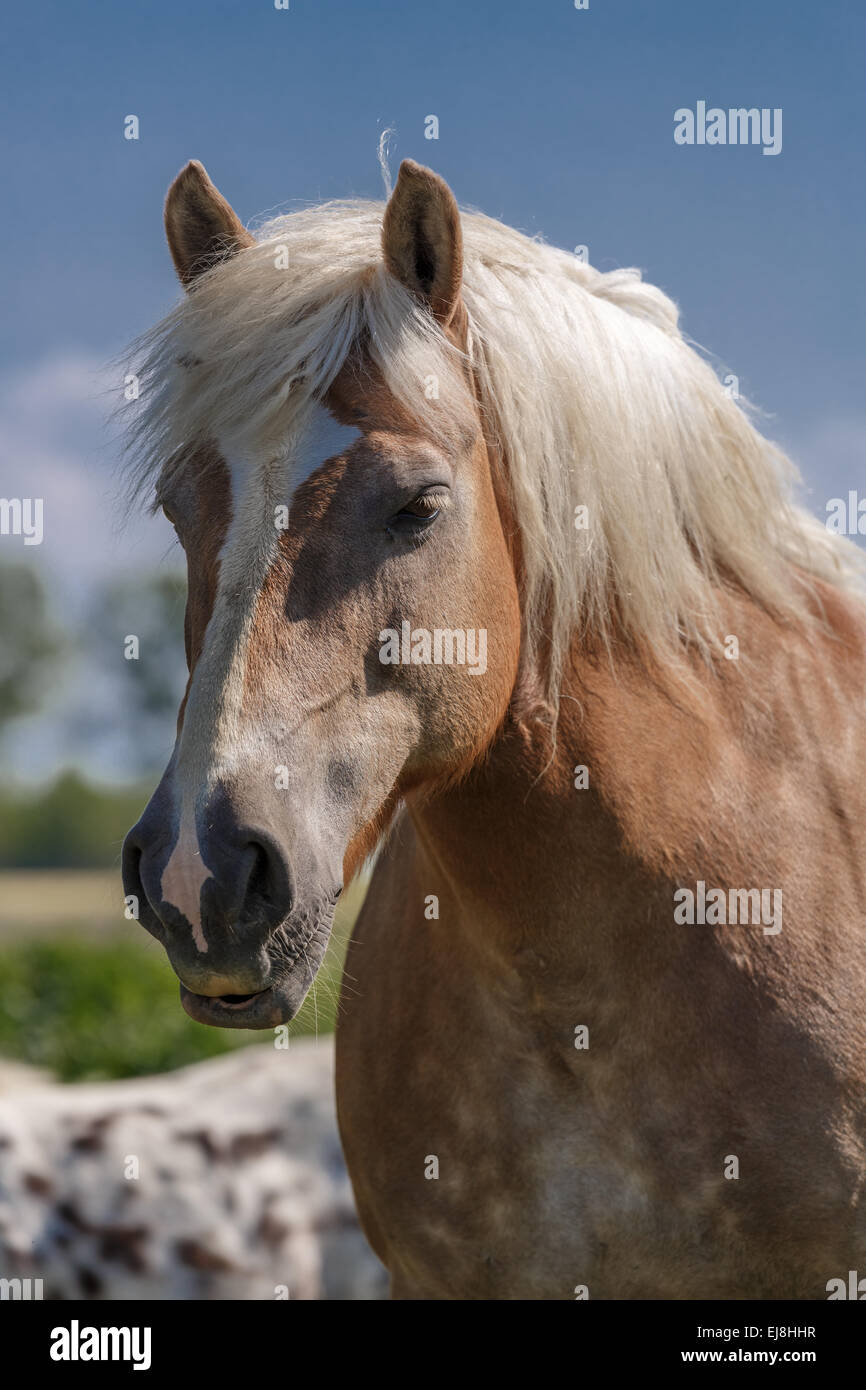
(201, 227)
(422, 240)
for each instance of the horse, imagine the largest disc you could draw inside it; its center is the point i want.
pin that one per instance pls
(601, 1030)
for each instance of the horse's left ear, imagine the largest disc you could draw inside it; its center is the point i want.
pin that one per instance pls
(422, 241)
(200, 226)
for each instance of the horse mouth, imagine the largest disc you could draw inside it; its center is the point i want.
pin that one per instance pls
(264, 1009)
(292, 968)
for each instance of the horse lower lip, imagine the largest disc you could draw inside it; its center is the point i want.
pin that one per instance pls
(219, 1009)
(235, 1002)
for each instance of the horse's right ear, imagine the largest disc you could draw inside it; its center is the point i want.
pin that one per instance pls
(201, 227)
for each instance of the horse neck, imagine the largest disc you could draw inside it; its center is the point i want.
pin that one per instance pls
(529, 836)
(680, 782)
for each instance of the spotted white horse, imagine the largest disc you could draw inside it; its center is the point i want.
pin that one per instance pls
(224, 1180)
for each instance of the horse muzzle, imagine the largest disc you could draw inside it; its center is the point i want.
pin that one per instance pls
(244, 930)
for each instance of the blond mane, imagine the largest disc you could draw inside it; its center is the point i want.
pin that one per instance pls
(591, 393)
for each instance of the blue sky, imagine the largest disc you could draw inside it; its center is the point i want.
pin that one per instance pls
(556, 120)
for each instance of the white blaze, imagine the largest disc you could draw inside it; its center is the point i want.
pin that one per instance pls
(184, 874)
(211, 739)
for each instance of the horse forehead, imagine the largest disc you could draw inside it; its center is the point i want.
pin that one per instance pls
(325, 437)
(262, 476)
(243, 499)
(360, 395)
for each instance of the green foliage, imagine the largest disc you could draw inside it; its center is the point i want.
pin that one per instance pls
(95, 1012)
(29, 646)
(150, 609)
(100, 1010)
(72, 824)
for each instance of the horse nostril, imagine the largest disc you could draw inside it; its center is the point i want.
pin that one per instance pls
(259, 886)
(268, 885)
(131, 874)
(134, 891)
(131, 865)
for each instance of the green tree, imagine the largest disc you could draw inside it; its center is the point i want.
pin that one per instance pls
(71, 824)
(30, 646)
(135, 634)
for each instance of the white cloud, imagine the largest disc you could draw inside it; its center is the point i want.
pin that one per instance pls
(58, 442)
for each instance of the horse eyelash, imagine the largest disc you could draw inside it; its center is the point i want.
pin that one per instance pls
(435, 501)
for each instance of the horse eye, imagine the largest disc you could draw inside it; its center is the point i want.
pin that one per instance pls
(424, 508)
(414, 519)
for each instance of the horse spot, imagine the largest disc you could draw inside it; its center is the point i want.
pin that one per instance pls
(92, 1139)
(197, 1256)
(251, 1145)
(68, 1213)
(37, 1184)
(115, 1242)
(241, 1146)
(91, 1284)
(205, 1141)
(122, 1243)
(270, 1231)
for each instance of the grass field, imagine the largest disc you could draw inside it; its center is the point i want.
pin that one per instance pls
(90, 901)
(85, 993)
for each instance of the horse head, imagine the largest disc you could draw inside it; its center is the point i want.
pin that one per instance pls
(349, 560)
